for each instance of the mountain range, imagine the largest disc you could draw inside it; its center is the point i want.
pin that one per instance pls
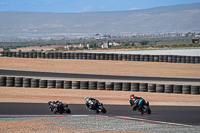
(34, 25)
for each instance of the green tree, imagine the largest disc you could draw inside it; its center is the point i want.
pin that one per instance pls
(144, 42)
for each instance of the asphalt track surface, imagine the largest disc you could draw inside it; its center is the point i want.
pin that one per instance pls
(173, 114)
(92, 76)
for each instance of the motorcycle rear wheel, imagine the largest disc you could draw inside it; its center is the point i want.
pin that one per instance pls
(97, 111)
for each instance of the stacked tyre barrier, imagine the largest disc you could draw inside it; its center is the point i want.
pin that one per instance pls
(105, 56)
(99, 85)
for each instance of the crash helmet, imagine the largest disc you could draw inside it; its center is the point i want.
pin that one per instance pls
(86, 98)
(132, 96)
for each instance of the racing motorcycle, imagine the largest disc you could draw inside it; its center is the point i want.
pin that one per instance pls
(143, 107)
(95, 105)
(58, 107)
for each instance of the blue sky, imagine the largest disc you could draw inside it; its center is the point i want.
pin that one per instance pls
(69, 6)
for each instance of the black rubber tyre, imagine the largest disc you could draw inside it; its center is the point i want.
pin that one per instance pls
(117, 86)
(109, 85)
(10, 81)
(148, 110)
(67, 84)
(2, 81)
(43, 84)
(194, 90)
(100, 85)
(55, 110)
(103, 110)
(84, 85)
(135, 86)
(186, 89)
(59, 84)
(97, 111)
(75, 84)
(177, 89)
(160, 88)
(35, 83)
(169, 88)
(151, 87)
(126, 86)
(51, 83)
(143, 87)
(68, 111)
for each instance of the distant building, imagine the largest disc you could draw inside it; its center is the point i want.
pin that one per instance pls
(105, 44)
(97, 36)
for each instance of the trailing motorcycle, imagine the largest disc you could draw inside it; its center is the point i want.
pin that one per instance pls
(58, 107)
(95, 105)
(143, 107)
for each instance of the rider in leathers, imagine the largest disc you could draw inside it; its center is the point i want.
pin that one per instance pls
(134, 101)
(90, 102)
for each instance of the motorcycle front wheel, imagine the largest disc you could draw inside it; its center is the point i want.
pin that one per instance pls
(103, 110)
(55, 110)
(148, 110)
(68, 111)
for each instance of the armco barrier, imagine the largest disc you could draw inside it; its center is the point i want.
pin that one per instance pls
(95, 85)
(104, 56)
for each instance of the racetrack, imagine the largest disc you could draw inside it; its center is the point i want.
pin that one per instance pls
(93, 76)
(170, 114)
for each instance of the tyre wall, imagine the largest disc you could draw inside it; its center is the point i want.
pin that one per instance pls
(95, 85)
(104, 56)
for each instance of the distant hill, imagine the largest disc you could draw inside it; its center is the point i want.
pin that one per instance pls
(178, 18)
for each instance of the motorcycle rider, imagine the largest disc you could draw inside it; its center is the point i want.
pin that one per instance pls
(134, 101)
(58, 104)
(90, 102)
